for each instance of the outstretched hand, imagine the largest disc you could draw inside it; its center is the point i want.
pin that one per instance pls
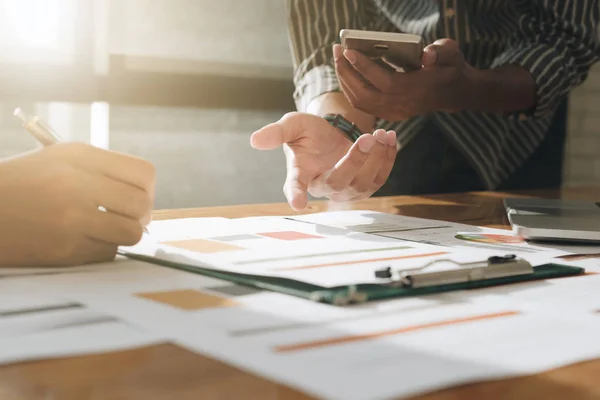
(322, 161)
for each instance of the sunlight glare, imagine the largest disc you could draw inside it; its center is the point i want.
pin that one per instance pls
(32, 23)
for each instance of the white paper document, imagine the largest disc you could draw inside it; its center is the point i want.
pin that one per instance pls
(332, 249)
(454, 235)
(37, 327)
(377, 350)
(327, 256)
(183, 228)
(433, 342)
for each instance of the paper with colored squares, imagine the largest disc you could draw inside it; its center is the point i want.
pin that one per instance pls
(310, 252)
(378, 350)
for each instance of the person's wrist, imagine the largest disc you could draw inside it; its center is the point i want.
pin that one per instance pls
(503, 89)
(345, 126)
(337, 103)
(471, 89)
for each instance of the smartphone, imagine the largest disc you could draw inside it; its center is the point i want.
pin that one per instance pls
(400, 51)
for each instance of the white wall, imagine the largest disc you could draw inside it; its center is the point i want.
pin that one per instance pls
(249, 33)
(203, 157)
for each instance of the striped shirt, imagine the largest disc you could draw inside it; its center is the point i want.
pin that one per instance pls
(556, 41)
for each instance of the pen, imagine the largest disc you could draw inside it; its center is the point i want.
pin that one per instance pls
(44, 134)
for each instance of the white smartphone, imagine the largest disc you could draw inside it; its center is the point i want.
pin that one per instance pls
(401, 51)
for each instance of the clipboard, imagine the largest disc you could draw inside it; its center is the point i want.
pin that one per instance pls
(495, 271)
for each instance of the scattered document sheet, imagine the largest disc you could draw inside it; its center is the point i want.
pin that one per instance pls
(183, 228)
(376, 350)
(24, 272)
(334, 249)
(39, 327)
(327, 256)
(357, 352)
(440, 233)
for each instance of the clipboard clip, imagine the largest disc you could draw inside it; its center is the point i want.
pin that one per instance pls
(493, 267)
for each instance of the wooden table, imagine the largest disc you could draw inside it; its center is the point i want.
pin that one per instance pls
(169, 372)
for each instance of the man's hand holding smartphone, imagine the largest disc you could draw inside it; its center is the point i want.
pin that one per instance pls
(443, 82)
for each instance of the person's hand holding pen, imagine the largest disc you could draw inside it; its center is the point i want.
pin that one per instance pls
(71, 203)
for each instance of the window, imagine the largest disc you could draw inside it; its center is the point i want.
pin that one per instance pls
(37, 31)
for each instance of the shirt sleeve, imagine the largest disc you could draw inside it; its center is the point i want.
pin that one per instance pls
(314, 27)
(557, 42)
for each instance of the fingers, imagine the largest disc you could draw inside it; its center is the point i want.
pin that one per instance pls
(442, 52)
(362, 170)
(359, 92)
(375, 74)
(123, 199)
(345, 171)
(125, 168)
(365, 181)
(381, 177)
(351, 98)
(74, 248)
(390, 157)
(123, 184)
(348, 76)
(295, 187)
(288, 129)
(89, 251)
(96, 251)
(112, 228)
(429, 57)
(337, 53)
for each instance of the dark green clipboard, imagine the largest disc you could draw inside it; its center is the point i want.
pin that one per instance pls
(343, 295)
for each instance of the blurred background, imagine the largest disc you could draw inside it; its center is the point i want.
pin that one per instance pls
(182, 83)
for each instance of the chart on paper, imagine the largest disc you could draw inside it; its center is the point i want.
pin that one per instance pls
(449, 234)
(327, 256)
(471, 341)
(36, 327)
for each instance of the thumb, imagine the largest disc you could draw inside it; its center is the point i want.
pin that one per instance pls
(286, 130)
(442, 52)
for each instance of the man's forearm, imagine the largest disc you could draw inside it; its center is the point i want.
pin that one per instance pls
(336, 103)
(506, 89)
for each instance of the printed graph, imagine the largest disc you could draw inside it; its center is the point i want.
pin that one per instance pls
(367, 261)
(490, 238)
(322, 254)
(222, 244)
(293, 347)
(289, 235)
(30, 319)
(203, 246)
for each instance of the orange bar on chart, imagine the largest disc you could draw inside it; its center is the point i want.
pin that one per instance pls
(339, 263)
(188, 299)
(203, 246)
(289, 235)
(376, 335)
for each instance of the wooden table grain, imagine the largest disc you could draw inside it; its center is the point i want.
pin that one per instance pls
(166, 371)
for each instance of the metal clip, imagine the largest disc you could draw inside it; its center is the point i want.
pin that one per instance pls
(493, 267)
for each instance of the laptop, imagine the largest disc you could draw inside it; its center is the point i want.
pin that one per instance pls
(554, 220)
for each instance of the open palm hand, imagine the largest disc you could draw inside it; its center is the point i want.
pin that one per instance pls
(323, 162)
